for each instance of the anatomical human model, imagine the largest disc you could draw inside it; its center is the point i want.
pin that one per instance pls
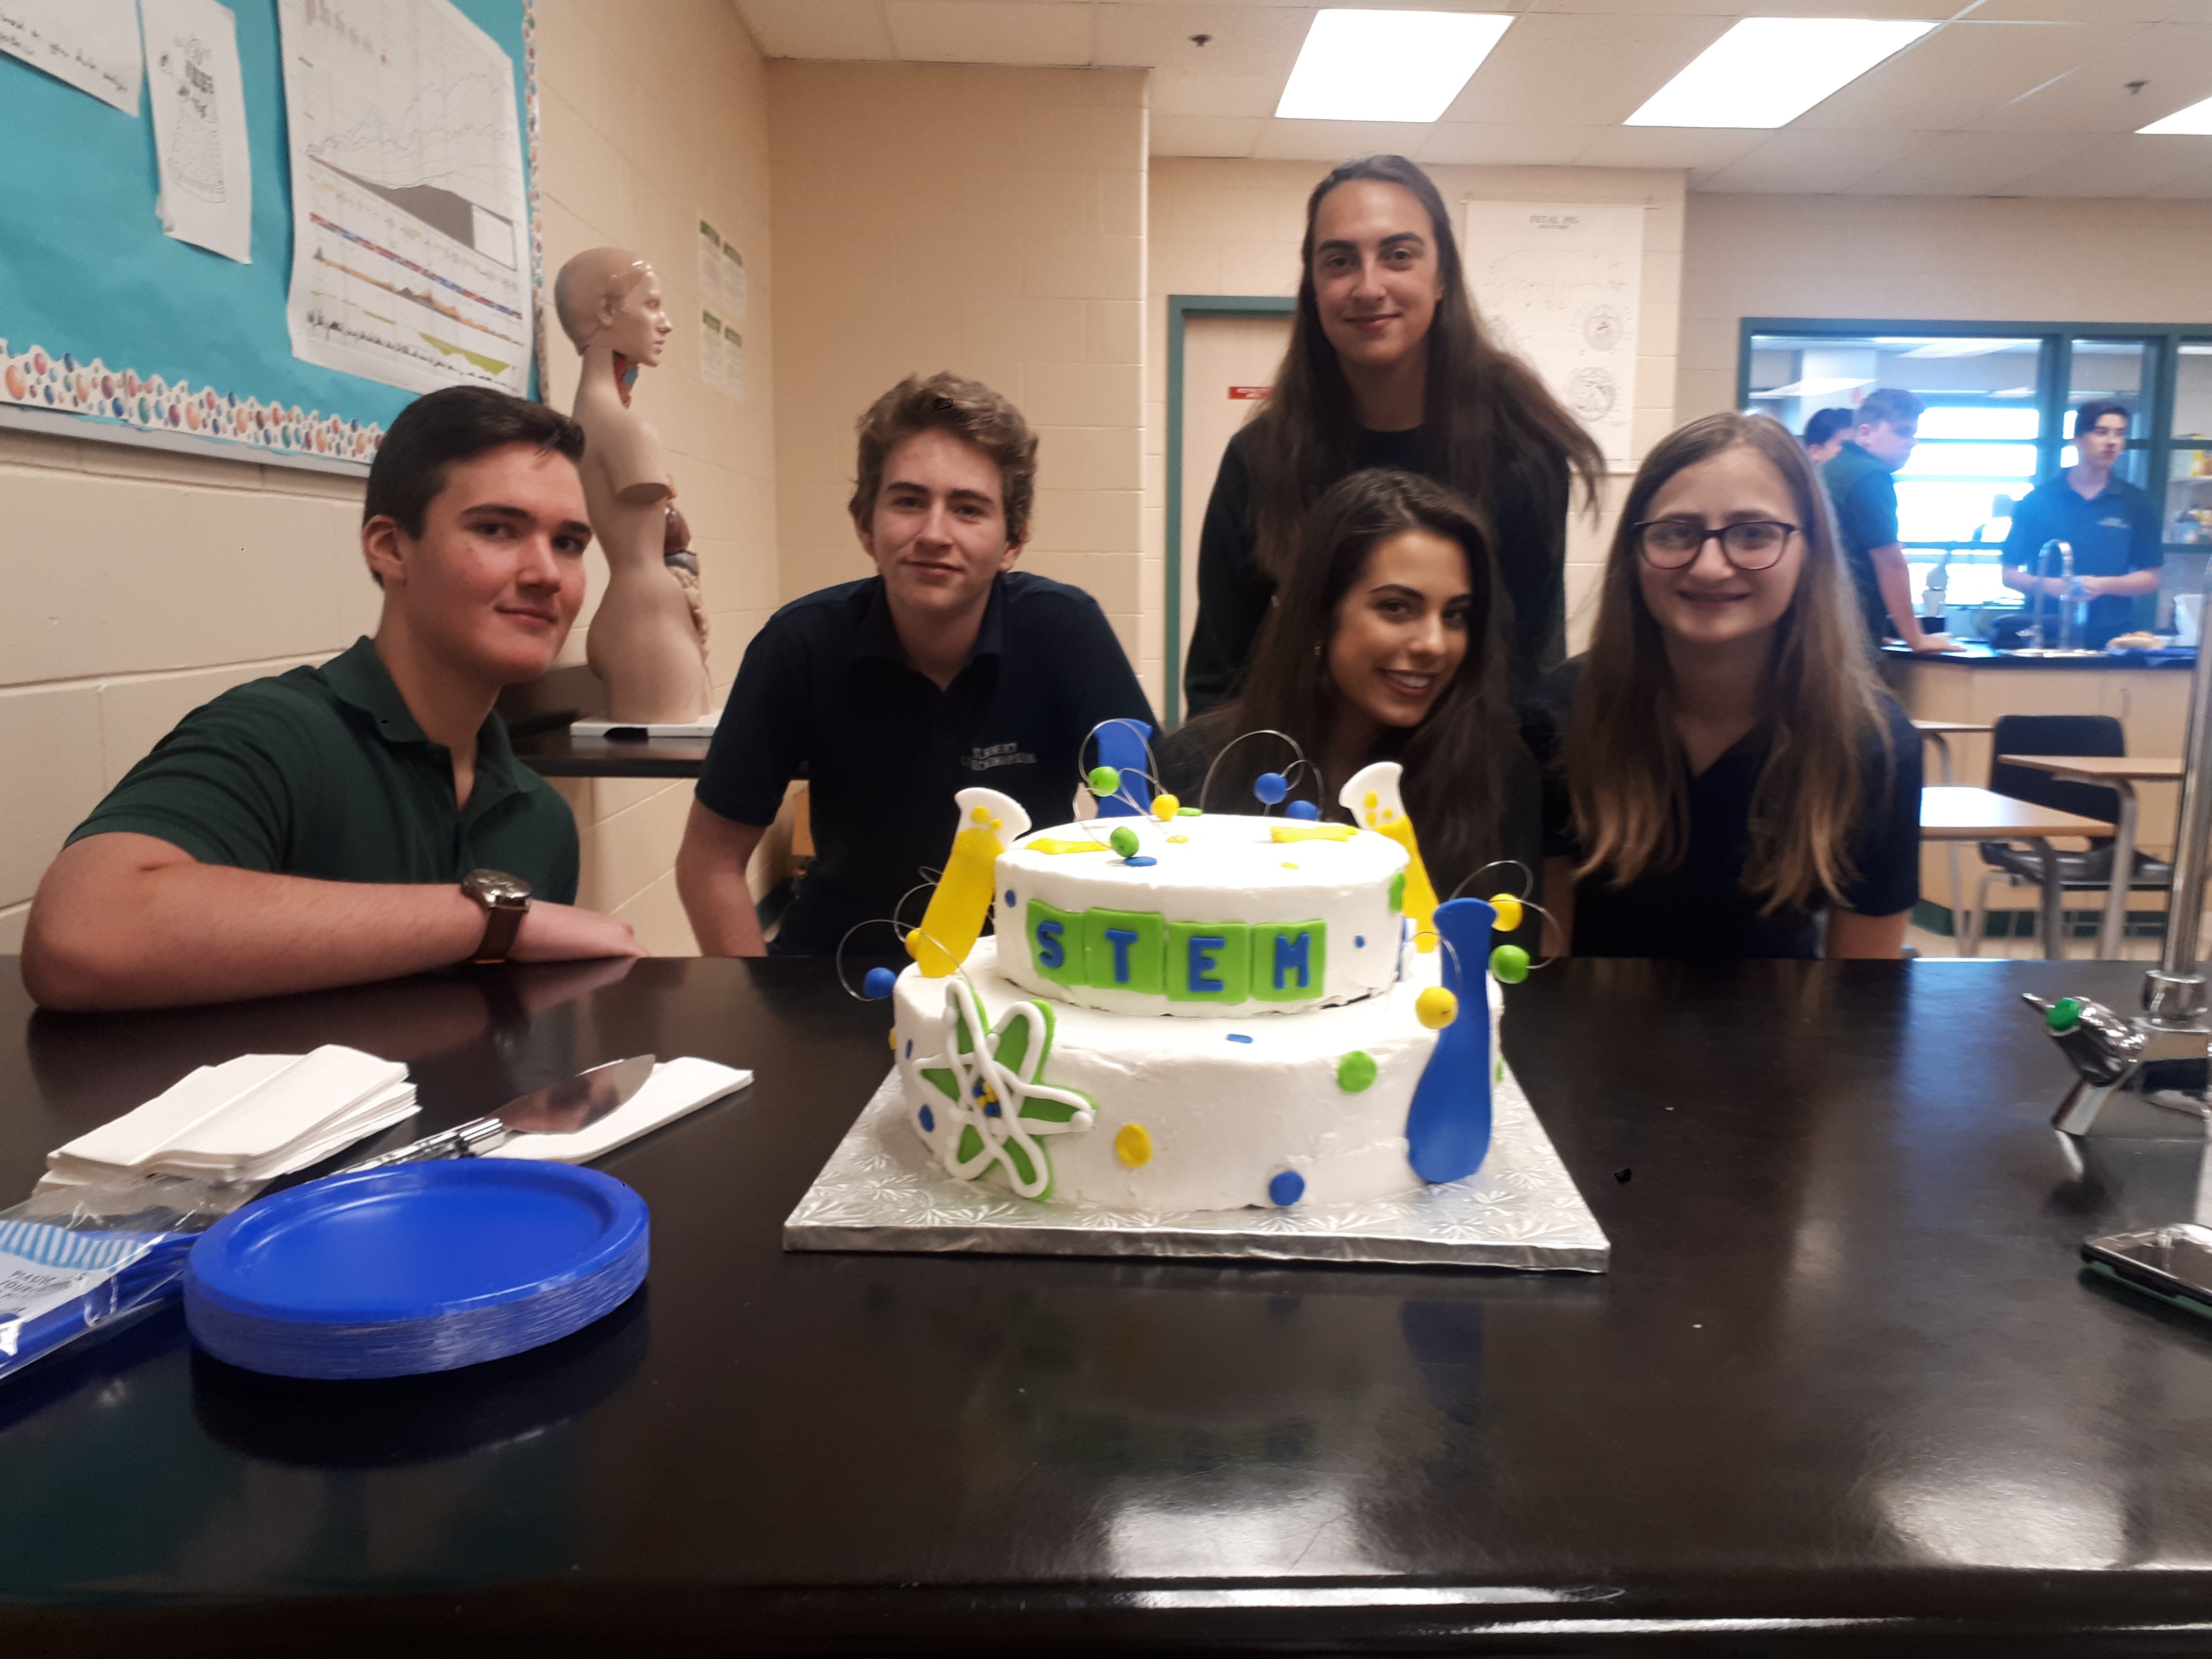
(645, 642)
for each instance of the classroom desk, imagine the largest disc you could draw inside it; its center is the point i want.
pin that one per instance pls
(1962, 812)
(560, 754)
(1841, 1391)
(1938, 734)
(2120, 774)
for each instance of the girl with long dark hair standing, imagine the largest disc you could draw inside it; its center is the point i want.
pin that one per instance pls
(1389, 366)
(1730, 766)
(1388, 644)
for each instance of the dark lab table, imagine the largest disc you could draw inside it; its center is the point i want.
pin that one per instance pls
(559, 753)
(1843, 1390)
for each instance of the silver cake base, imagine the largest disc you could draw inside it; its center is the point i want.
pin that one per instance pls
(882, 1191)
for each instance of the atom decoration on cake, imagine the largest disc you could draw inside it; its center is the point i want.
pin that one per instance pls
(990, 1106)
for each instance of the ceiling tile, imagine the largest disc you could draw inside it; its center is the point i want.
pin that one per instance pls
(1959, 73)
(1729, 9)
(1795, 162)
(1581, 69)
(1477, 144)
(1333, 141)
(1668, 147)
(850, 29)
(2125, 165)
(2093, 11)
(2174, 59)
(1968, 164)
(1187, 92)
(1036, 33)
(1204, 135)
(1244, 39)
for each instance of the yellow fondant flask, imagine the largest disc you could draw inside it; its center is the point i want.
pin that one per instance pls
(1372, 797)
(961, 903)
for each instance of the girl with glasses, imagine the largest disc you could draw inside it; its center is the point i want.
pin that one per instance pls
(1723, 765)
(1387, 644)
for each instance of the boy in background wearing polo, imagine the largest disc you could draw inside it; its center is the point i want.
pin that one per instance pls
(365, 819)
(2111, 525)
(947, 668)
(1865, 497)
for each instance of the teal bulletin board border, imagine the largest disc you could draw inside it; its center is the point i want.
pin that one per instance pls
(107, 322)
(1181, 308)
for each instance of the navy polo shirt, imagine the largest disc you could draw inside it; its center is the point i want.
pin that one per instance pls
(2112, 532)
(1865, 497)
(1701, 907)
(826, 691)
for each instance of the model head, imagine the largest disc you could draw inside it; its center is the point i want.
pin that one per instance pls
(945, 476)
(1825, 432)
(1888, 425)
(611, 297)
(2100, 431)
(474, 525)
(1725, 546)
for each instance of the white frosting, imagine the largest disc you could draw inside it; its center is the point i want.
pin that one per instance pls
(1224, 868)
(1222, 1117)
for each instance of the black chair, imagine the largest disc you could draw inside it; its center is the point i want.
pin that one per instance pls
(2085, 872)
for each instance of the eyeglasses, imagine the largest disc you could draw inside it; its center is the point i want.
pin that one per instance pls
(1672, 544)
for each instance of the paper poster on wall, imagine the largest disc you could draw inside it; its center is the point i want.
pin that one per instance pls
(1560, 286)
(411, 251)
(722, 284)
(198, 108)
(91, 44)
(733, 362)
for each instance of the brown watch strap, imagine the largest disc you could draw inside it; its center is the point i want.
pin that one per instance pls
(502, 923)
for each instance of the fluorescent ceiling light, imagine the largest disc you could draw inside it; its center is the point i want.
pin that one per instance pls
(1767, 71)
(1966, 348)
(1387, 65)
(1816, 388)
(2197, 117)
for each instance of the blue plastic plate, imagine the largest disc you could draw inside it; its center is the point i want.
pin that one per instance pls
(416, 1267)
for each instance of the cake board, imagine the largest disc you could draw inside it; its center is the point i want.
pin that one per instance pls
(881, 1191)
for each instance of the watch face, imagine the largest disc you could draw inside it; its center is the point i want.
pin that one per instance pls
(496, 888)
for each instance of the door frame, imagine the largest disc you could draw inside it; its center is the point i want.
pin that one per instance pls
(1181, 307)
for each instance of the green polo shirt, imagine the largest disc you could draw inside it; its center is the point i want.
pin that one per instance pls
(323, 772)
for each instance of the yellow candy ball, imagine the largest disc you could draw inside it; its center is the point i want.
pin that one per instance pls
(1132, 1144)
(1165, 807)
(1436, 1007)
(1509, 911)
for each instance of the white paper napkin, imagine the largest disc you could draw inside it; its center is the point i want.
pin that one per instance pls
(677, 1086)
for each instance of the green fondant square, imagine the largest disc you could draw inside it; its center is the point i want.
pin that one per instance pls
(1290, 959)
(1123, 964)
(1203, 972)
(1051, 931)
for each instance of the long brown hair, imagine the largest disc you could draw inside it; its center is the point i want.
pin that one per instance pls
(1453, 759)
(1493, 427)
(1626, 772)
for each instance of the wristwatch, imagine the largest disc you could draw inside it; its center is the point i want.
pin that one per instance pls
(505, 901)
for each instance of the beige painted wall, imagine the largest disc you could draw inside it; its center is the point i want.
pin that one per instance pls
(138, 585)
(986, 220)
(1972, 260)
(1234, 226)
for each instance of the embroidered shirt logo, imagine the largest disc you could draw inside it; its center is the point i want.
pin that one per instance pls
(982, 759)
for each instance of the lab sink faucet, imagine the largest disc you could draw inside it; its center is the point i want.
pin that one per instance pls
(2064, 603)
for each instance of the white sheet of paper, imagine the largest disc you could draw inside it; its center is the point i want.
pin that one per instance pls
(199, 124)
(710, 266)
(91, 44)
(411, 233)
(736, 290)
(1560, 284)
(733, 363)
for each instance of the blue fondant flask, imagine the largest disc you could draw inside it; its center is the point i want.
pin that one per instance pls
(1122, 746)
(1448, 1129)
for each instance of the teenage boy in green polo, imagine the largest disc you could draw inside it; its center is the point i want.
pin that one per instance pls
(365, 819)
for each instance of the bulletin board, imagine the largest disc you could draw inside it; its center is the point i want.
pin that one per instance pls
(111, 328)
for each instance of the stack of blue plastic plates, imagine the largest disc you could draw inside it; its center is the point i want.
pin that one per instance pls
(416, 1267)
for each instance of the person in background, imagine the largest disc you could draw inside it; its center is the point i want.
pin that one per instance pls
(2111, 525)
(1723, 764)
(1389, 366)
(1388, 643)
(1865, 495)
(945, 669)
(1825, 435)
(366, 818)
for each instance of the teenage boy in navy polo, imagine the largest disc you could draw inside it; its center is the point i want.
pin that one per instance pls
(947, 668)
(2111, 525)
(365, 819)
(1865, 497)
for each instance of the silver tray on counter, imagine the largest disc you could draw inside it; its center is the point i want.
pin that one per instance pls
(881, 1191)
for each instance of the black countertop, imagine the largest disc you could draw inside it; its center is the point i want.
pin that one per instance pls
(1844, 1390)
(1981, 656)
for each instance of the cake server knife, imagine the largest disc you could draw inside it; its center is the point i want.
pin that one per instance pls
(561, 1109)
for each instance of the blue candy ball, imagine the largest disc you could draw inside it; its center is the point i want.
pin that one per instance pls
(1301, 809)
(878, 983)
(1270, 787)
(1287, 1189)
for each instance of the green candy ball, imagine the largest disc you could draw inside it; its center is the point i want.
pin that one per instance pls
(1355, 1072)
(1104, 780)
(1510, 963)
(1125, 841)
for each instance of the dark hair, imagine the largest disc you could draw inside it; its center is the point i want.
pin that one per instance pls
(1826, 424)
(1625, 770)
(1495, 431)
(453, 424)
(1888, 406)
(2095, 411)
(1454, 782)
(967, 409)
